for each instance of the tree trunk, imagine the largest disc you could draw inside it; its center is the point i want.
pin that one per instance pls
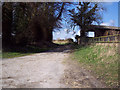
(50, 36)
(82, 33)
(83, 39)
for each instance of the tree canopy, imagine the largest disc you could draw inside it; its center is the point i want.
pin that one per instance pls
(23, 22)
(85, 14)
(27, 22)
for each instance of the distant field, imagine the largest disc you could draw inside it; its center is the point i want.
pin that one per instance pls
(100, 59)
(62, 42)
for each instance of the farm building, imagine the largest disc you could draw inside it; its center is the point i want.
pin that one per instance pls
(103, 30)
(100, 31)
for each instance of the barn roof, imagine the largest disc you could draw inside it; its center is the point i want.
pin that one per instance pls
(101, 27)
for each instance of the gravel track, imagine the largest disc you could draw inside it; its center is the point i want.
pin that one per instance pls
(46, 70)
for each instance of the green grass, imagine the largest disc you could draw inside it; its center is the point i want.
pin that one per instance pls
(0, 55)
(21, 51)
(13, 54)
(102, 60)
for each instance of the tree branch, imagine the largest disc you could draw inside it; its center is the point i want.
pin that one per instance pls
(60, 11)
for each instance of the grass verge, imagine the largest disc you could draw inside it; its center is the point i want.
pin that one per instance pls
(21, 51)
(102, 60)
(13, 54)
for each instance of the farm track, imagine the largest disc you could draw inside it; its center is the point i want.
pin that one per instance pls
(52, 69)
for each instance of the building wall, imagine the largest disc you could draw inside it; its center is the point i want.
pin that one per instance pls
(99, 33)
(111, 32)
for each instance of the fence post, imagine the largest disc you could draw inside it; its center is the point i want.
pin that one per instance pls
(108, 38)
(116, 38)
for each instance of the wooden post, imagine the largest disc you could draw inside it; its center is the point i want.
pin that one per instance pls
(108, 38)
(116, 38)
(78, 41)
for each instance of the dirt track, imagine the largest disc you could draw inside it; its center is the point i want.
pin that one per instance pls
(46, 70)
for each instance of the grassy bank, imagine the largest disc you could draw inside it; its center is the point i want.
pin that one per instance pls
(21, 51)
(102, 60)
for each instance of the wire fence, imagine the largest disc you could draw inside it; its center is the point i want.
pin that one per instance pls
(110, 38)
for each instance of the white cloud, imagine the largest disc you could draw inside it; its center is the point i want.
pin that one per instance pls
(105, 24)
(110, 23)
